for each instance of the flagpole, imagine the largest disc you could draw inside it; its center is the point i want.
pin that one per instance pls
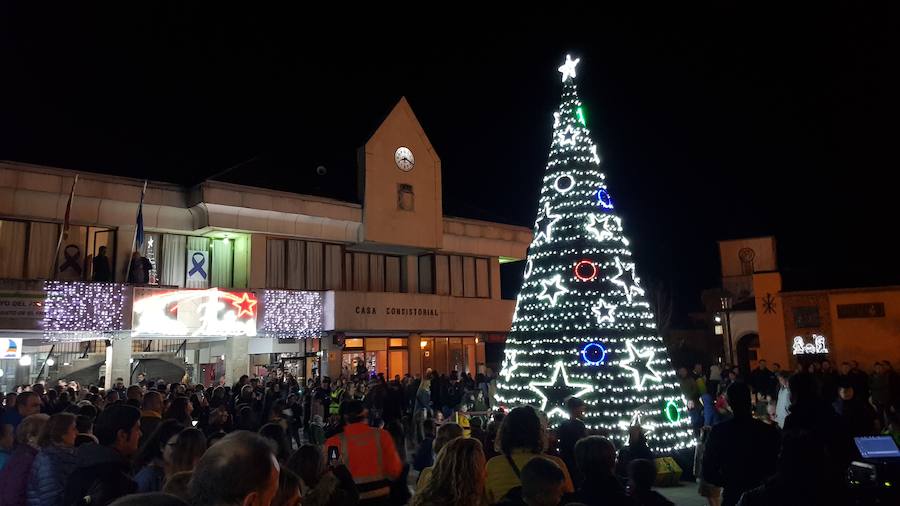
(63, 228)
(134, 236)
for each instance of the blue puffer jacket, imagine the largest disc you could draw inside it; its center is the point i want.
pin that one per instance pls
(49, 472)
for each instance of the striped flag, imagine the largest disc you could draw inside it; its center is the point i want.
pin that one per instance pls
(65, 230)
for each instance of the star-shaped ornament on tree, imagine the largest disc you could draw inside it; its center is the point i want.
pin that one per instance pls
(638, 362)
(604, 311)
(568, 68)
(568, 136)
(636, 422)
(594, 156)
(555, 392)
(509, 364)
(544, 224)
(627, 280)
(559, 289)
(604, 227)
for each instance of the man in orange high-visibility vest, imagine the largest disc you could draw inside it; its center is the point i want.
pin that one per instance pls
(368, 453)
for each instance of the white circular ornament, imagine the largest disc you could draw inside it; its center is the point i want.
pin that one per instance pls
(564, 183)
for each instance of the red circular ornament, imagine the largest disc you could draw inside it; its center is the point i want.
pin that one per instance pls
(585, 270)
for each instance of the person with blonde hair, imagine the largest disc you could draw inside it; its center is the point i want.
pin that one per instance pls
(458, 478)
(446, 433)
(16, 474)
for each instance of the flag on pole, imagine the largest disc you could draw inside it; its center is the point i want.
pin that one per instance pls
(65, 230)
(139, 233)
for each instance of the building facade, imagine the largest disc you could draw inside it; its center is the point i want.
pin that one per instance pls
(243, 275)
(758, 319)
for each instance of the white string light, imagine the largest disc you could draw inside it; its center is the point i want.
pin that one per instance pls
(580, 291)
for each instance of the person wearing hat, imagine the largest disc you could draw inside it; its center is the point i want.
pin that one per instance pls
(569, 432)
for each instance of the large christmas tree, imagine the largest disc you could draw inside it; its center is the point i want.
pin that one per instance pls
(582, 326)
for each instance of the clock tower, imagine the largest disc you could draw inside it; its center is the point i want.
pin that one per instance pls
(401, 183)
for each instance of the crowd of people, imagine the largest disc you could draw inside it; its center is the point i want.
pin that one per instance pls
(767, 437)
(786, 437)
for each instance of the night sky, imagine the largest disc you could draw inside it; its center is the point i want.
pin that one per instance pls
(712, 124)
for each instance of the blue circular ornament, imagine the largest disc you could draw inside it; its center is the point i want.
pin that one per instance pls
(593, 354)
(603, 199)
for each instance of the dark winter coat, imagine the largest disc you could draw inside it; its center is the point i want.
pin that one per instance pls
(51, 467)
(740, 453)
(102, 474)
(15, 476)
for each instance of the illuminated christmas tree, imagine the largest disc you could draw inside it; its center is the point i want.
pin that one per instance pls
(582, 326)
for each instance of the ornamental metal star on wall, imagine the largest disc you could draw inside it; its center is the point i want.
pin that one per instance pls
(769, 304)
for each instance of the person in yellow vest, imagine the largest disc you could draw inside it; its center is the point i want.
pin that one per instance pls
(337, 396)
(369, 453)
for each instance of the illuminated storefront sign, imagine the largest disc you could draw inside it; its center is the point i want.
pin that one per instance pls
(803, 348)
(193, 313)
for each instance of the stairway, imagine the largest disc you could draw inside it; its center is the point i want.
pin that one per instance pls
(155, 365)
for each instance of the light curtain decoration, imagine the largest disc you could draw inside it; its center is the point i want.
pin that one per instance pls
(78, 310)
(288, 313)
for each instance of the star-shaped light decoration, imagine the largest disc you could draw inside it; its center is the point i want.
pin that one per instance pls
(557, 390)
(150, 242)
(636, 421)
(604, 227)
(594, 156)
(544, 224)
(638, 362)
(568, 68)
(244, 305)
(568, 136)
(509, 364)
(627, 280)
(604, 311)
(559, 290)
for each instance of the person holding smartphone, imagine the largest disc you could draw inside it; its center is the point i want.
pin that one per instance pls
(324, 478)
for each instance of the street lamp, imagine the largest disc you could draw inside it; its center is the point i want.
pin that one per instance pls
(25, 361)
(726, 307)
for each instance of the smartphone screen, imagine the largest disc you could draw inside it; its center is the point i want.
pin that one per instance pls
(194, 422)
(334, 457)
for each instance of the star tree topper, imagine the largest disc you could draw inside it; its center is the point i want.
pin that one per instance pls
(568, 68)
(555, 392)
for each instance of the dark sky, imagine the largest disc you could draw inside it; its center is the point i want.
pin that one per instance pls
(712, 124)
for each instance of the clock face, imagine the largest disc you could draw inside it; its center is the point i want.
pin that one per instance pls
(404, 159)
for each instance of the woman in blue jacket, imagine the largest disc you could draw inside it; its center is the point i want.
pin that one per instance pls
(54, 462)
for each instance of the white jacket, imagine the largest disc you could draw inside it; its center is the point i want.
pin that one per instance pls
(781, 408)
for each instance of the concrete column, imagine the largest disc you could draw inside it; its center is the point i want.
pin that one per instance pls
(415, 354)
(195, 362)
(331, 359)
(257, 261)
(118, 362)
(495, 278)
(237, 358)
(124, 238)
(411, 273)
